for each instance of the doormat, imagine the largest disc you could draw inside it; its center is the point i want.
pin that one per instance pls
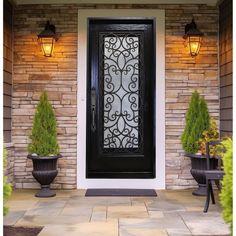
(19, 231)
(93, 192)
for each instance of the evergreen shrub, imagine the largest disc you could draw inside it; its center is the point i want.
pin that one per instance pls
(226, 195)
(44, 130)
(197, 120)
(7, 188)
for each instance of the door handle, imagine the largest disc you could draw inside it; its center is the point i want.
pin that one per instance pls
(93, 109)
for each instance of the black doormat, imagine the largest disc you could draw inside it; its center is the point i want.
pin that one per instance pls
(93, 192)
(21, 231)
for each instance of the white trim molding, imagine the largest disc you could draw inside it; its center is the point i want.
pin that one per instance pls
(159, 181)
(207, 2)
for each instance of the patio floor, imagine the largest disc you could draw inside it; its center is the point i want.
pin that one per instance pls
(172, 213)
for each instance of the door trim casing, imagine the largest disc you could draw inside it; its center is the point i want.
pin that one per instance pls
(159, 181)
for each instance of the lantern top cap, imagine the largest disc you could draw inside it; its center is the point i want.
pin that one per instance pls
(49, 31)
(192, 30)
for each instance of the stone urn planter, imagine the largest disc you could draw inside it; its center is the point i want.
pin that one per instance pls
(199, 166)
(44, 149)
(44, 171)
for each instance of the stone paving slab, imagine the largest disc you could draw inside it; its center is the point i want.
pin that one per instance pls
(47, 208)
(88, 229)
(179, 233)
(111, 201)
(171, 222)
(71, 193)
(142, 200)
(51, 220)
(200, 223)
(167, 206)
(155, 214)
(77, 211)
(172, 213)
(142, 232)
(127, 211)
(12, 217)
(21, 205)
(99, 213)
(75, 201)
(23, 194)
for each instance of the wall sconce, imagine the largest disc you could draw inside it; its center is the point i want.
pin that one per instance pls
(47, 39)
(193, 38)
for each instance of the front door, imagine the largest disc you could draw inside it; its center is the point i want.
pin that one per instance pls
(121, 99)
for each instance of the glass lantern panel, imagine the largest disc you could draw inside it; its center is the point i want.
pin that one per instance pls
(47, 46)
(194, 45)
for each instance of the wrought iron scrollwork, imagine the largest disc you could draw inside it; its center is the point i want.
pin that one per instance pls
(122, 116)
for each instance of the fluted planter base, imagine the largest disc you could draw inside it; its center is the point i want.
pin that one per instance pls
(45, 191)
(198, 172)
(44, 171)
(201, 191)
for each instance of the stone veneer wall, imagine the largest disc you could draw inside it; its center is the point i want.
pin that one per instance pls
(34, 73)
(9, 172)
(58, 75)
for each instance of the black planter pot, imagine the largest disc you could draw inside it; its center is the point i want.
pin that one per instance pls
(44, 171)
(198, 172)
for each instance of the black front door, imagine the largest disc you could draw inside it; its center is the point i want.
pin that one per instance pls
(121, 99)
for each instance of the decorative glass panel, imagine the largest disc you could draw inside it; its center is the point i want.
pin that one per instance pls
(121, 92)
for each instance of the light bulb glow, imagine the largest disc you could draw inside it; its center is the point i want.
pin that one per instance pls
(194, 44)
(47, 45)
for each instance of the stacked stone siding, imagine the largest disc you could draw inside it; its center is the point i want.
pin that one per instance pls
(184, 74)
(34, 73)
(9, 172)
(58, 75)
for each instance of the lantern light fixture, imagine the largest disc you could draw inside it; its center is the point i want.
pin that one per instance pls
(193, 37)
(47, 39)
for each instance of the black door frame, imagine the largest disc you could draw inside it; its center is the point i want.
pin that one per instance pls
(117, 175)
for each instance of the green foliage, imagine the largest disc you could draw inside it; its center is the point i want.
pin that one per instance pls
(197, 120)
(204, 117)
(7, 188)
(44, 131)
(212, 133)
(226, 195)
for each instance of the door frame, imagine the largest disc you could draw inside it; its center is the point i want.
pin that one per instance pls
(82, 181)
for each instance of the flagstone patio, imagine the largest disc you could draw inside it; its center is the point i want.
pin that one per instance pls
(172, 213)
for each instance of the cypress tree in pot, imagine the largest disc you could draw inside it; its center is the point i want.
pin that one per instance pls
(197, 121)
(44, 149)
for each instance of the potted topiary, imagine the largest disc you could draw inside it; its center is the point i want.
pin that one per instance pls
(197, 122)
(44, 149)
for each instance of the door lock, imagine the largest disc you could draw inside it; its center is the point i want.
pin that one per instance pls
(93, 109)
